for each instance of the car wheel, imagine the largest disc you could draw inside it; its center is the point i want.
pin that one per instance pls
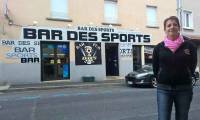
(193, 81)
(153, 82)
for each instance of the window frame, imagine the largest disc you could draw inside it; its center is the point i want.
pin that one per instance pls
(64, 13)
(149, 23)
(111, 19)
(188, 24)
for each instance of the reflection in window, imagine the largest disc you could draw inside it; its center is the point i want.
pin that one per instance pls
(187, 19)
(110, 11)
(151, 16)
(59, 9)
(137, 63)
(148, 54)
(55, 61)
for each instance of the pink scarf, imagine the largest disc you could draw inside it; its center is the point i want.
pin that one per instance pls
(173, 45)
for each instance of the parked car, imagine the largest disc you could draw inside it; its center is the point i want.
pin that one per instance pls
(144, 76)
(195, 78)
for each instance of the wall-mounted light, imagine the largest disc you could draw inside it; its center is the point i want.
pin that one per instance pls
(136, 29)
(110, 25)
(10, 22)
(35, 23)
(69, 25)
(91, 23)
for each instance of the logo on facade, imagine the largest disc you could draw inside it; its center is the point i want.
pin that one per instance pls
(88, 53)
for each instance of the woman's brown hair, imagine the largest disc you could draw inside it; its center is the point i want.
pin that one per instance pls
(171, 18)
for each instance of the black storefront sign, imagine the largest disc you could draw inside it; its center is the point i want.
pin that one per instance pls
(88, 53)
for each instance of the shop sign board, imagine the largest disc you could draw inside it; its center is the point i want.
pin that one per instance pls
(20, 51)
(88, 53)
(126, 49)
(85, 34)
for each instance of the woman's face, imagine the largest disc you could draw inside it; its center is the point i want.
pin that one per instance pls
(172, 29)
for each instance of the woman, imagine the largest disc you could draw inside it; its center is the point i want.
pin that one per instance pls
(174, 62)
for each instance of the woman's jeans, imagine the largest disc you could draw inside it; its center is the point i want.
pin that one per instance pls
(181, 100)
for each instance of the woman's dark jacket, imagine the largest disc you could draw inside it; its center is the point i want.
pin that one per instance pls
(174, 68)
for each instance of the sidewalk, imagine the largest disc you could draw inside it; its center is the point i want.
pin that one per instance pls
(58, 84)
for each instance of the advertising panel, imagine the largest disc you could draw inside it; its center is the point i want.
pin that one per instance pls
(20, 51)
(87, 53)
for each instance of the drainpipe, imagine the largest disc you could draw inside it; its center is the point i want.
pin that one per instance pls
(5, 7)
(4, 14)
(142, 55)
(179, 13)
(3, 29)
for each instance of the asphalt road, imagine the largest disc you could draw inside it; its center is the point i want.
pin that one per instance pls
(94, 103)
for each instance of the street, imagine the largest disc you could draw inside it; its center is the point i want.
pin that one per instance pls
(93, 103)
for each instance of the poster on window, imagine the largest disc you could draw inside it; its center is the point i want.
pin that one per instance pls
(87, 53)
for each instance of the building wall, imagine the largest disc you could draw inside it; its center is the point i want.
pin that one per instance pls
(131, 17)
(194, 8)
(20, 73)
(76, 72)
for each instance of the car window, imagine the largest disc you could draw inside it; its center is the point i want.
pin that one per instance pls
(145, 69)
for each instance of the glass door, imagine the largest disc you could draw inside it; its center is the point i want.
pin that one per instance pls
(55, 60)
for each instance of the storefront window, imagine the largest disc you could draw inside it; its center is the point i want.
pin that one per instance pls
(55, 60)
(148, 54)
(137, 62)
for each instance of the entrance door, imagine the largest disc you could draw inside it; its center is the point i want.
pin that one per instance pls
(137, 61)
(55, 61)
(112, 65)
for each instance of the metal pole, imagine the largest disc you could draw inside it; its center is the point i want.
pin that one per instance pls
(4, 14)
(179, 11)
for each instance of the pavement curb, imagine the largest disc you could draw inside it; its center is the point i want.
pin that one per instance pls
(48, 87)
(4, 87)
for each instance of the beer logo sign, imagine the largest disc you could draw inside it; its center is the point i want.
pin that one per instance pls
(88, 53)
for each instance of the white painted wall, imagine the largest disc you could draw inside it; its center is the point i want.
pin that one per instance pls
(20, 73)
(77, 71)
